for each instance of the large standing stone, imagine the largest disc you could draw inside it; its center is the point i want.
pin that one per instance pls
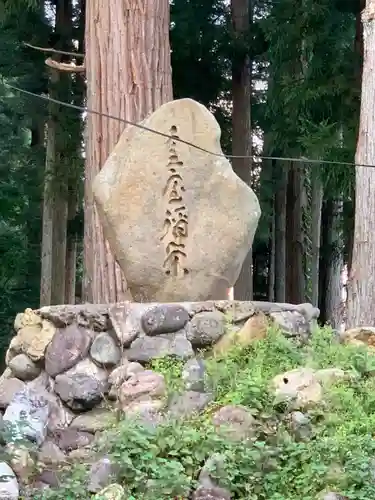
(69, 345)
(191, 221)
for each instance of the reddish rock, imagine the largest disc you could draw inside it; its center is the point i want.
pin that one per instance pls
(68, 346)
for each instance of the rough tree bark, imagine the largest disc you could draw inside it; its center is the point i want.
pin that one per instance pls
(280, 234)
(55, 208)
(128, 74)
(74, 191)
(46, 250)
(316, 219)
(331, 264)
(241, 121)
(361, 283)
(295, 278)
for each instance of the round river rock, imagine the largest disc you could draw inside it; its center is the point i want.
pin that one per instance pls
(166, 318)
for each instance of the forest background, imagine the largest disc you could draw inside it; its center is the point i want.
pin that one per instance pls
(283, 78)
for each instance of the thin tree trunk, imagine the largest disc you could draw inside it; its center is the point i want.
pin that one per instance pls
(334, 300)
(316, 219)
(74, 191)
(272, 258)
(128, 75)
(280, 234)
(241, 121)
(71, 254)
(331, 264)
(63, 30)
(295, 279)
(47, 236)
(361, 285)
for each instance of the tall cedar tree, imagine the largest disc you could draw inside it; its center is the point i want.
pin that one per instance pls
(129, 76)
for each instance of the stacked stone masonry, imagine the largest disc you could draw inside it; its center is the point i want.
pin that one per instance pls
(70, 367)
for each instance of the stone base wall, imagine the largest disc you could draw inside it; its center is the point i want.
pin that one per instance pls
(69, 367)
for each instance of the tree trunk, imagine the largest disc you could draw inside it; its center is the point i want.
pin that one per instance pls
(128, 75)
(46, 251)
(280, 234)
(316, 219)
(334, 301)
(74, 189)
(331, 264)
(63, 85)
(361, 285)
(295, 279)
(241, 121)
(272, 258)
(71, 254)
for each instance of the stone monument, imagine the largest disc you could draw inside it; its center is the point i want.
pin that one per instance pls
(178, 219)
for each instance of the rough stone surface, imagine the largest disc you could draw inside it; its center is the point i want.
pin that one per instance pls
(34, 339)
(236, 310)
(126, 321)
(300, 425)
(8, 388)
(50, 454)
(193, 375)
(102, 473)
(206, 328)
(146, 348)
(300, 388)
(214, 493)
(9, 489)
(235, 422)
(27, 318)
(112, 492)
(362, 335)
(144, 388)
(165, 318)
(23, 368)
(90, 316)
(59, 415)
(212, 471)
(105, 351)
(80, 391)
(95, 420)
(180, 200)
(68, 346)
(292, 324)
(254, 329)
(27, 416)
(20, 460)
(188, 403)
(333, 496)
(71, 439)
(120, 374)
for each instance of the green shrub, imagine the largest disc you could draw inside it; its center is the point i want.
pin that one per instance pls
(164, 462)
